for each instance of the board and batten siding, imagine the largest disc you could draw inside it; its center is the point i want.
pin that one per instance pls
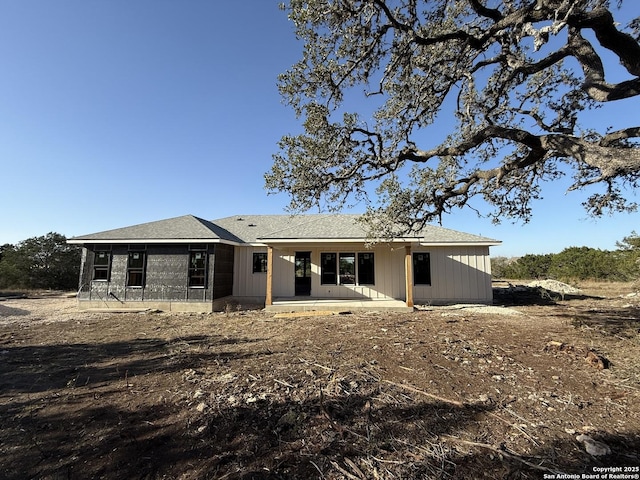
(245, 282)
(458, 274)
(249, 284)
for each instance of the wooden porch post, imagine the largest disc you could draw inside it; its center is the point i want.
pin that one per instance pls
(408, 275)
(269, 298)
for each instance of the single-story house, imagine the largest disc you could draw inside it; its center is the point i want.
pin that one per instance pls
(280, 261)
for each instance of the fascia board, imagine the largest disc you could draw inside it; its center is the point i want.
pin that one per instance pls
(295, 241)
(459, 244)
(154, 241)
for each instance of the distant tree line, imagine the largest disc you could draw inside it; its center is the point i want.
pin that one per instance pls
(46, 262)
(576, 263)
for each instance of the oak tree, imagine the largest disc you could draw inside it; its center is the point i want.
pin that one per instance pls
(437, 102)
(47, 261)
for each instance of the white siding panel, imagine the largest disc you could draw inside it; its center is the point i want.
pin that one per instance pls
(283, 272)
(245, 282)
(458, 274)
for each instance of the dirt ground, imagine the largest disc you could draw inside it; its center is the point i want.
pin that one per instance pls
(542, 385)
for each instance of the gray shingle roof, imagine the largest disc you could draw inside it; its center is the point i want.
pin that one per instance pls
(186, 227)
(265, 229)
(254, 228)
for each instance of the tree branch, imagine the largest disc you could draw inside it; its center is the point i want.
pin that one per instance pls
(595, 84)
(602, 23)
(492, 13)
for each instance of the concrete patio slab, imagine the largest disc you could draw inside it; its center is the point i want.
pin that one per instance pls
(296, 304)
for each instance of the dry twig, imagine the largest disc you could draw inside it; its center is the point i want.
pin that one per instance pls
(455, 403)
(501, 452)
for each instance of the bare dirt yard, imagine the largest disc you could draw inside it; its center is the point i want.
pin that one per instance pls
(541, 385)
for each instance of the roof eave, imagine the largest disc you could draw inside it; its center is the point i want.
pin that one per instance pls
(155, 241)
(492, 243)
(266, 241)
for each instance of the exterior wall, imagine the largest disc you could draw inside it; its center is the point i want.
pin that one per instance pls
(254, 285)
(245, 282)
(223, 271)
(166, 277)
(458, 274)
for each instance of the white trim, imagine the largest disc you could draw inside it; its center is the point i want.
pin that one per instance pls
(282, 241)
(460, 244)
(297, 241)
(83, 241)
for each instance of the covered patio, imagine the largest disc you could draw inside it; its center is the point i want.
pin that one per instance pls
(298, 304)
(308, 304)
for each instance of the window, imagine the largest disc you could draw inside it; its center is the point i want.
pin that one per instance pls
(101, 266)
(365, 269)
(259, 263)
(347, 264)
(197, 269)
(135, 269)
(421, 269)
(329, 275)
(342, 268)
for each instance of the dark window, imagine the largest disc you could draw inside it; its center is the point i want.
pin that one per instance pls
(329, 274)
(347, 268)
(101, 265)
(197, 269)
(421, 269)
(135, 269)
(366, 274)
(259, 263)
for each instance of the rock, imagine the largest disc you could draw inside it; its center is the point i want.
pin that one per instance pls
(594, 447)
(555, 287)
(198, 394)
(201, 407)
(595, 360)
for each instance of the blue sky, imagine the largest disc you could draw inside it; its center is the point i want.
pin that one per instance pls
(114, 113)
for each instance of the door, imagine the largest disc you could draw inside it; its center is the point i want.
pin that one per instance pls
(303, 273)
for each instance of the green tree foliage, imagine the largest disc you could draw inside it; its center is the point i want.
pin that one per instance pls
(14, 267)
(532, 266)
(500, 267)
(577, 263)
(436, 102)
(629, 256)
(40, 262)
(581, 263)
